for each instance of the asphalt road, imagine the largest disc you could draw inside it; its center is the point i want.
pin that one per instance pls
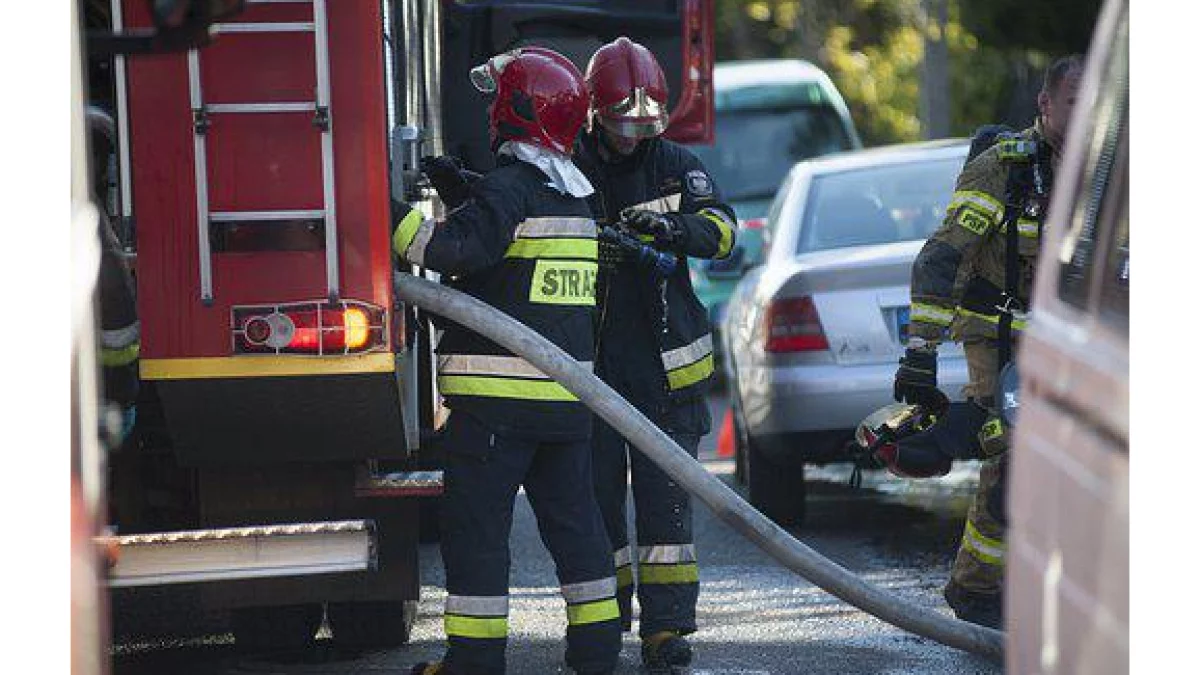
(756, 617)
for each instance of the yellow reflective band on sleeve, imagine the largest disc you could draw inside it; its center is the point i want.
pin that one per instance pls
(499, 387)
(689, 375)
(726, 244)
(593, 612)
(994, 319)
(985, 549)
(405, 231)
(564, 282)
(115, 358)
(940, 316)
(624, 576)
(684, 573)
(476, 627)
(986, 204)
(1026, 227)
(552, 248)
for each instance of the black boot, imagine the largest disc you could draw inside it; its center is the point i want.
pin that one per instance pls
(664, 651)
(984, 609)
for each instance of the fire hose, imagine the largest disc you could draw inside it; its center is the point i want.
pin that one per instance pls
(684, 470)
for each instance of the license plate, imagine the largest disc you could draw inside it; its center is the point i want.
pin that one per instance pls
(902, 324)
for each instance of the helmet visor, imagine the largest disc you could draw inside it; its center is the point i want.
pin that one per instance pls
(639, 115)
(485, 75)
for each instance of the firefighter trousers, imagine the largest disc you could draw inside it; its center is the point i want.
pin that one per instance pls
(483, 472)
(667, 577)
(979, 565)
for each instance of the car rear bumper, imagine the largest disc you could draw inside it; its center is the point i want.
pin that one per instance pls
(803, 399)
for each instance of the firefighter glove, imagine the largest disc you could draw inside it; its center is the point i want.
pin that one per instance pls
(447, 176)
(916, 379)
(666, 228)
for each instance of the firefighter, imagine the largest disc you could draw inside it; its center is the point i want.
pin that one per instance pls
(523, 241)
(654, 343)
(1006, 186)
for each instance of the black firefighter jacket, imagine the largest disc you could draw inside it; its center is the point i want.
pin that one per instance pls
(529, 251)
(654, 337)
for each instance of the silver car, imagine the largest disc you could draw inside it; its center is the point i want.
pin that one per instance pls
(814, 334)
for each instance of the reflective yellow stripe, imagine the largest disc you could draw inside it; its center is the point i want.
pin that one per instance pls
(113, 358)
(593, 612)
(1025, 227)
(982, 201)
(685, 573)
(1017, 324)
(624, 576)
(552, 248)
(986, 549)
(499, 387)
(476, 627)
(726, 243)
(405, 231)
(940, 316)
(265, 366)
(692, 374)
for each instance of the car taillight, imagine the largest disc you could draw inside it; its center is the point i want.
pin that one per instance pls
(753, 223)
(792, 325)
(347, 327)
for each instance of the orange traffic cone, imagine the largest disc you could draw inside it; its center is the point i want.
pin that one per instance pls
(725, 436)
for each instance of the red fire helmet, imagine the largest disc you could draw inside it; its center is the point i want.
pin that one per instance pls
(627, 90)
(539, 97)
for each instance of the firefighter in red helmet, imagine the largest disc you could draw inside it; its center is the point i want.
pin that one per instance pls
(522, 239)
(654, 342)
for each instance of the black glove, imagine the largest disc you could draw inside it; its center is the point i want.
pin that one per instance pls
(668, 233)
(916, 379)
(449, 179)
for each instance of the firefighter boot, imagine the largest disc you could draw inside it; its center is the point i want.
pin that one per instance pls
(665, 651)
(985, 609)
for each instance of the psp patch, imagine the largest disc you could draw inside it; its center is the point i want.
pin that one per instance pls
(698, 183)
(974, 219)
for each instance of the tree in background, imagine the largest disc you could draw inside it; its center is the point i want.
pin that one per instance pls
(986, 54)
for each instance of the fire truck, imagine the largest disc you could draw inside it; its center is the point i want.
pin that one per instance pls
(283, 447)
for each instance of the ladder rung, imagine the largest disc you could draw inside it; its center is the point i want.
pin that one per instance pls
(280, 27)
(259, 107)
(262, 216)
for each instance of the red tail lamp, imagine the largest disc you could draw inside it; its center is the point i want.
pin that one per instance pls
(317, 328)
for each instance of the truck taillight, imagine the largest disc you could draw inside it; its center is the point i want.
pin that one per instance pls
(792, 325)
(319, 328)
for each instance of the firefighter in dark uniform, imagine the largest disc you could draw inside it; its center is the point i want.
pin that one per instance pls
(654, 343)
(1007, 184)
(524, 242)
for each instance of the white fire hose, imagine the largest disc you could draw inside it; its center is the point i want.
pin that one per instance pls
(684, 470)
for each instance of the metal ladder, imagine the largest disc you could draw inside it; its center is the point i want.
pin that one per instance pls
(321, 119)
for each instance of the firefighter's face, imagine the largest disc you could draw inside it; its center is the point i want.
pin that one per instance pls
(622, 145)
(1055, 106)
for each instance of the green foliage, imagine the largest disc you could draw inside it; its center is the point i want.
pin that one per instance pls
(874, 50)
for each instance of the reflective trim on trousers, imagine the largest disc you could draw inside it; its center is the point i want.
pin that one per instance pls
(984, 549)
(682, 573)
(667, 553)
(593, 612)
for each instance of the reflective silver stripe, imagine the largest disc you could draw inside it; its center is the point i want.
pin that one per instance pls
(535, 228)
(477, 605)
(416, 250)
(665, 204)
(718, 213)
(622, 557)
(667, 553)
(587, 591)
(119, 338)
(479, 364)
(990, 205)
(688, 354)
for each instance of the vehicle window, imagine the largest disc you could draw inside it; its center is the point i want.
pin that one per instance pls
(1101, 202)
(1114, 288)
(878, 205)
(754, 149)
